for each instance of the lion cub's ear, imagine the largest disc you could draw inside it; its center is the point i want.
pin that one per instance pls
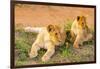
(84, 18)
(50, 28)
(78, 17)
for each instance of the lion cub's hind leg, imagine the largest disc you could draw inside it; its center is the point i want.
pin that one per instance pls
(89, 37)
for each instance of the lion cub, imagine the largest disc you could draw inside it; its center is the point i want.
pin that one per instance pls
(48, 38)
(81, 30)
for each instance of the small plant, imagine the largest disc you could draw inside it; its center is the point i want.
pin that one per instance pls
(67, 25)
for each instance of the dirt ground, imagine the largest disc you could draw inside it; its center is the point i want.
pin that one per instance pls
(41, 15)
(24, 41)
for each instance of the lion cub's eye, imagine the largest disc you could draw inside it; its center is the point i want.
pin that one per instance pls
(56, 33)
(82, 23)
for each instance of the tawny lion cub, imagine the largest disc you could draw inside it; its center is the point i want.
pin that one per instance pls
(81, 30)
(48, 38)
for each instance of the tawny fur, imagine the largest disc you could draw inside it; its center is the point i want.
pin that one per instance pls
(48, 38)
(81, 30)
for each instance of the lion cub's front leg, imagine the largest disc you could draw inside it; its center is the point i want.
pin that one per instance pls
(34, 50)
(76, 43)
(48, 54)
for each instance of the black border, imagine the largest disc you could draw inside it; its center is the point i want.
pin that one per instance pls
(12, 34)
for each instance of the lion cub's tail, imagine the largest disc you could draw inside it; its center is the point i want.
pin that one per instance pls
(33, 29)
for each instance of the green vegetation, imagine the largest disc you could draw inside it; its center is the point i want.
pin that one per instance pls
(68, 25)
(24, 41)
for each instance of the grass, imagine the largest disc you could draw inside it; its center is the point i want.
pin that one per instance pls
(68, 25)
(24, 40)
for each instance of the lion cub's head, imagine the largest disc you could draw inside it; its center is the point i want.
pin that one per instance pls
(81, 22)
(56, 34)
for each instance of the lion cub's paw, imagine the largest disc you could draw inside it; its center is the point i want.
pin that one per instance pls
(45, 58)
(32, 55)
(76, 46)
